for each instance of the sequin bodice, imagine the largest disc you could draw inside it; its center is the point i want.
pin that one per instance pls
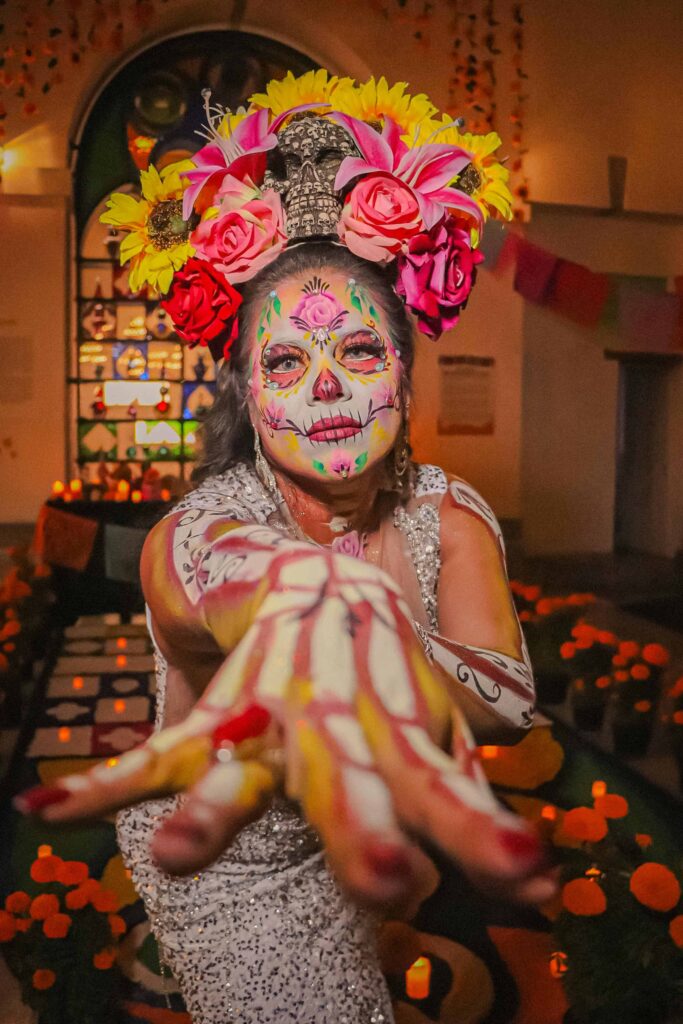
(265, 935)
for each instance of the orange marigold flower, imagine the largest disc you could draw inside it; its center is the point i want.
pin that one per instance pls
(629, 649)
(643, 840)
(621, 676)
(583, 629)
(678, 717)
(676, 930)
(44, 869)
(656, 654)
(602, 682)
(619, 660)
(545, 606)
(104, 960)
(643, 706)
(43, 979)
(567, 650)
(525, 616)
(585, 824)
(655, 886)
(72, 872)
(106, 901)
(611, 805)
(18, 902)
(56, 926)
(640, 671)
(23, 924)
(584, 643)
(44, 905)
(76, 899)
(677, 688)
(8, 926)
(117, 924)
(584, 898)
(531, 593)
(606, 636)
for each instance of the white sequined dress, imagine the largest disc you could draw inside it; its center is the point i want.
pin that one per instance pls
(265, 935)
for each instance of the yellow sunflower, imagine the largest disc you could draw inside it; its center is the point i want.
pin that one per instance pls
(486, 178)
(283, 94)
(157, 244)
(375, 100)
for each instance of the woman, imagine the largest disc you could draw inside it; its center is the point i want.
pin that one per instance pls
(328, 617)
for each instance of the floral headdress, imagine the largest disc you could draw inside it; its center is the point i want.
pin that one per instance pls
(314, 157)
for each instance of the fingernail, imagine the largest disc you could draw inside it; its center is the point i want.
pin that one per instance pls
(523, 846)
(251, 723)
(387, 860)
(39, 797)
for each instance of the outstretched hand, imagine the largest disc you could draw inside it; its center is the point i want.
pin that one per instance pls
(329, 694)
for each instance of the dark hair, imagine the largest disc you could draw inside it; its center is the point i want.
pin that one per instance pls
(226, 435)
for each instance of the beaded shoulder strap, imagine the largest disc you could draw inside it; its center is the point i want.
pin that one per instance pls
(421, 528)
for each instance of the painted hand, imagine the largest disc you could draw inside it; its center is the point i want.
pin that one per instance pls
(329, 691)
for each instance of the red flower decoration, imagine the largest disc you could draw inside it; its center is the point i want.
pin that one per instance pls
(203, 306)
(436, 275)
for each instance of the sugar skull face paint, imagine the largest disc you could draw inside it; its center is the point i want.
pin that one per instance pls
(324, 378)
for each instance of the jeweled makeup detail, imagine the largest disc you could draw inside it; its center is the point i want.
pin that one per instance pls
(325, 381)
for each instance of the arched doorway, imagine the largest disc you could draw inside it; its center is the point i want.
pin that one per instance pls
(135, 397)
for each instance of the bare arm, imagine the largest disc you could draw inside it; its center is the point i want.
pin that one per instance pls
(480, 644)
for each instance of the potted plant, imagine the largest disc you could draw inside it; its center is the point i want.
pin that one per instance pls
(60, 939)
(589, 658)
(547, 622)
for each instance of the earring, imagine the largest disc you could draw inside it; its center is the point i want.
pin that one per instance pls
(263, 470)
(401, 457)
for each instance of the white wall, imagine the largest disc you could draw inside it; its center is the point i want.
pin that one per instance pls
(32, 393)
(570, 396)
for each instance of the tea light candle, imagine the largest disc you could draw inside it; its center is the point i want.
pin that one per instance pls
(417, 978)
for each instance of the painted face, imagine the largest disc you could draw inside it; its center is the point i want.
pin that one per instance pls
(324, 378)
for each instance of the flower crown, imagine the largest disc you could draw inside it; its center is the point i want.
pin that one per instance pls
(314, 157)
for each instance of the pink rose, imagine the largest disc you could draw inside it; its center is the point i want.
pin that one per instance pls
(319, 310)
(242, 241)
(436, 275)
(350, 544)
(379, 217)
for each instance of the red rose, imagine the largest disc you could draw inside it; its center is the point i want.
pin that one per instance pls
(436, 275)
(203, 306)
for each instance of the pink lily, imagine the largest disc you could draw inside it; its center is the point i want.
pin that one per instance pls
(426, 170)
(242, 153)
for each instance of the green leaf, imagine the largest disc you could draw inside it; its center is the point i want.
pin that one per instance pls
(319, 467)
(277, 306)
(355, 301)
(372, 311)
(361, 460)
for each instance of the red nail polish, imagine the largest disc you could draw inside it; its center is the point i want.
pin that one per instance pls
(251, 723)
(387, 860)
(39, 797)
(523, 846)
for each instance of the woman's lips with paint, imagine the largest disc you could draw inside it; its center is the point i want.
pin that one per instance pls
(333, 428)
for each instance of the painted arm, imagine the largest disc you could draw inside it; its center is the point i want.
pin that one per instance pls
(488, 664)
(324, 670)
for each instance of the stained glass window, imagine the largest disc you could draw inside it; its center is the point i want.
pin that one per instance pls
(136, 397)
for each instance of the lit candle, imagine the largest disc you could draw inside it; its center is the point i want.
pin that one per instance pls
(417, 978)
(44, 850)
(165, 495)
(136, 496)
(57, 489)
(76, 488)
(122, 490)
